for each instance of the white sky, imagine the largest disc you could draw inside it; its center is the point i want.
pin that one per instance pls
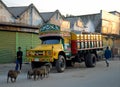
(74, 7)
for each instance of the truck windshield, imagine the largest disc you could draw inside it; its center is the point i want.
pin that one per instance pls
(51, 41)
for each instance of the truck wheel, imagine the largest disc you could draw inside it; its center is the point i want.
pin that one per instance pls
(90, 60)
(61, 63)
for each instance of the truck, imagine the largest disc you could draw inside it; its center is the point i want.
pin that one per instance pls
(63, 48)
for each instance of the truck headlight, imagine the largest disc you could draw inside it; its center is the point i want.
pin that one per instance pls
(29, 53)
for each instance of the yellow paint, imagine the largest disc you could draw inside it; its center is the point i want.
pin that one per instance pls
(86, 36)
(67, 39)
(73, 36)
(107, 42)
(81, 37)
(44, 49)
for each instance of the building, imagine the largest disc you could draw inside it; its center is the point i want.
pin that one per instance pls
(19, 26)
(106, 23)
(77, 25)
(55, 18)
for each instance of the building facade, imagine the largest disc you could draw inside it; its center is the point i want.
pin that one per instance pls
(96, 23)
(19, 26)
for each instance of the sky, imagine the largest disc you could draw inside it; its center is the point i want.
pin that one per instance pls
(70, 7)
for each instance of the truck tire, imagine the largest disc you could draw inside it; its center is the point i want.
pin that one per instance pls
(60, 63)
(90, 60)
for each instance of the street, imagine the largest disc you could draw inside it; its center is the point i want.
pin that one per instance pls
(77, 76)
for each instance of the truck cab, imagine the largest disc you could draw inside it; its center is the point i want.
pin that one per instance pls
(51, 49)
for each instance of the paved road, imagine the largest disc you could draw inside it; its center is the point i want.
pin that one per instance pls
(79, 76)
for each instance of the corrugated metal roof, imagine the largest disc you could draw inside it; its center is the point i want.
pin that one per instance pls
(17, 11)
(47, 15)
(5, 7)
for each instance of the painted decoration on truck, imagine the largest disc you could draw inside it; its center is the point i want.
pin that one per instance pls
(49, 27)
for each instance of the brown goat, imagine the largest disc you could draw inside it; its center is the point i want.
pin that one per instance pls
(44, 71)
(13, 75)
(30, 74)
(48, 67)
(36, 73)
(40, 72)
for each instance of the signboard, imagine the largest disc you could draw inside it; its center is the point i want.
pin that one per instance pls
(52, 30)
(110, 23)
(49, 28)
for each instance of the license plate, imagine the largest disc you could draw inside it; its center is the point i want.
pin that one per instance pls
(36, 59)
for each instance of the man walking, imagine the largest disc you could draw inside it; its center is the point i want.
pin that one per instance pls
(107, 55)
(19, 59)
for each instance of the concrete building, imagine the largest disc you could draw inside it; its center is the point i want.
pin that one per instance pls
(19, 26)
(95, 23)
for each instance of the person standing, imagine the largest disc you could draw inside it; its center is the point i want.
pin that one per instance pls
(19, 59)
(107, 55)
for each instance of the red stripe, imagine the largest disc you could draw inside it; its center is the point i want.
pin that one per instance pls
(74, 46)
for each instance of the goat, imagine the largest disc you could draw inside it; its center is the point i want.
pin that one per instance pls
(30, 74)
(13, 75)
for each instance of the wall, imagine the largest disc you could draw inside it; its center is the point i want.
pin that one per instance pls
(7, 46)
(56, 19)
(10, 41)
(37, 20)
(30, 17)
(5, 16)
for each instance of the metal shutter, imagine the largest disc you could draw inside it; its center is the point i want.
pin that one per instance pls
(35, 40)
(7, 46)
(26, 41)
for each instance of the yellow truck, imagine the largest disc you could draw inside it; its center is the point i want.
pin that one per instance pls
(63, 48)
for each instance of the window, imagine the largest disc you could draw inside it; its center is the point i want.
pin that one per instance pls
(51, 41)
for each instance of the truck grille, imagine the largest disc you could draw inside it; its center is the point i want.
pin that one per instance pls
(38, 53)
